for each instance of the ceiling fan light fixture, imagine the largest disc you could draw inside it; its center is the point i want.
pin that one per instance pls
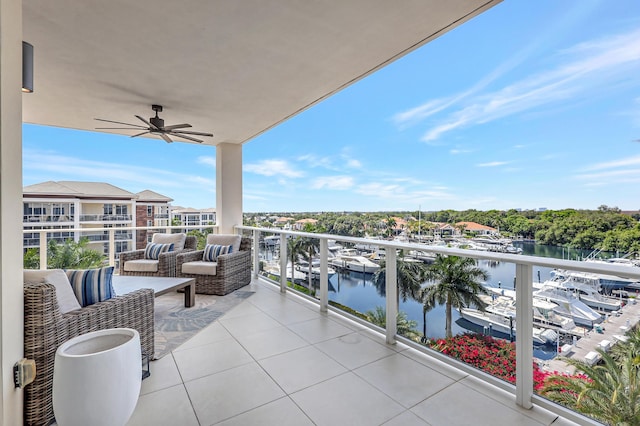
(155, 126)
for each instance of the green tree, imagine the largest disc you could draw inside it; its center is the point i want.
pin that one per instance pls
(610, 392)
(391, 224)
(70, 255)
(455, 284)
(405, 326)
(409, 276)
(295, 248)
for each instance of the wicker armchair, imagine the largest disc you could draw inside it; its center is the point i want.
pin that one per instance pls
(45, 328)
(166, 266)
(231, 271)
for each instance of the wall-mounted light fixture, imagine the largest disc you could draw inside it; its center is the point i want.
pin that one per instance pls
(27, 67)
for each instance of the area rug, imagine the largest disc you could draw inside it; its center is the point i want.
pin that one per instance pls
(175, 324)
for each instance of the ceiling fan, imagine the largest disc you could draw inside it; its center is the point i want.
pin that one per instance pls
(155, 126)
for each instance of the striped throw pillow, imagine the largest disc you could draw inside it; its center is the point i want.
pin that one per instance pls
(153, 250)
(91, 285)
(212, 251)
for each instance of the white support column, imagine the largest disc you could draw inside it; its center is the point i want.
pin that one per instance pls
(324, 274)
(524, 333)
(11, 295)
(392, 294)
(283, 263)
(112, 246)
(43, 249)
(256, 253)
(228, 187)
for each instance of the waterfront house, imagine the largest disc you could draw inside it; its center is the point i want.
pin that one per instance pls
(475, 228)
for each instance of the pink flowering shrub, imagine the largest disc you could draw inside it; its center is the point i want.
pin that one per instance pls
(494, 356)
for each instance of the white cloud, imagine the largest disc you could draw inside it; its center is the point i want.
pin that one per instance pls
(273, 167)
(62, 167)
(211, 161)
(333, 182)
(586, 66)
(492, 164)
(631, 161)
(456, 151)
(354, 164)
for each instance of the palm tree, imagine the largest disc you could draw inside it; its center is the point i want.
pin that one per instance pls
(610, 392)
(410, 276)
(295, 247)
(391, 223)
(405, 326)
(630, 348)
(73, 255)
(456, 285)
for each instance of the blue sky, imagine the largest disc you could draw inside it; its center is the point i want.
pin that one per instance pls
(531, 104)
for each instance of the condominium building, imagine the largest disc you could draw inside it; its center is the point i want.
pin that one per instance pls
(193, 217)
(152, 209)
(67, 205)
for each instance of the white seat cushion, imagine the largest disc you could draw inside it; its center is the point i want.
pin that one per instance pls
(176, 239)
(67, 300)
(199, 267)
(225, 240)
(141, 265)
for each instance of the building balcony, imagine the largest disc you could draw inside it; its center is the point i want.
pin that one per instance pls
(276, 359)
(105, 217)
(46, 218)
(161, 216)
(284, 354)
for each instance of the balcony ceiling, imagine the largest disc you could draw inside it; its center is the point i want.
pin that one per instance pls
(233, 68)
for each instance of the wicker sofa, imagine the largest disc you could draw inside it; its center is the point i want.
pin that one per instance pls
(46, 328)
(230, 271)
(166, 263)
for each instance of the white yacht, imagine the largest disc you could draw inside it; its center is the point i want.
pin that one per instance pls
(350, 260)
(587, 293)
(544, 312)
(303, 266)
(568, 305)
(502, 318)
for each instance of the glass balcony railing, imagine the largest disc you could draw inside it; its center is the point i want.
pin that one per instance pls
(515, 343)
(515, 335)
(105, 217)
(46, 218)
(161, 216)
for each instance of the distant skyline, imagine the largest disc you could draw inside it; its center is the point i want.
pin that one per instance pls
(529, 105)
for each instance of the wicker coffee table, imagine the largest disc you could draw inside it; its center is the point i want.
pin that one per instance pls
(160, 286)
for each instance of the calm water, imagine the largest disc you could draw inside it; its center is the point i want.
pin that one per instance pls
(358, 292)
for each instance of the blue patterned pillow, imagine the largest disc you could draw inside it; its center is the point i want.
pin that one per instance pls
(212, 251)
(153, 250)
(91, 285)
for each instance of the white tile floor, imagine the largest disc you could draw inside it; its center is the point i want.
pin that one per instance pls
(276, 360)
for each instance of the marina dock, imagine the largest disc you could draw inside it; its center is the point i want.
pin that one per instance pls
(584, 349)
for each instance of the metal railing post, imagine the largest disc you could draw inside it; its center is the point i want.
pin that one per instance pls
(283, 263)
(324, 275)
(256, 253)
(112, 247)
(392, 294)
(524, 333)
(43, 249)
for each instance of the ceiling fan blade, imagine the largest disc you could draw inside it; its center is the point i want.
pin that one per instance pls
(177, 126)
(140, 134)
(186, 132)
(119, 122)
(186, 137)
(165, 137)
(118, 128)
(151, 126)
